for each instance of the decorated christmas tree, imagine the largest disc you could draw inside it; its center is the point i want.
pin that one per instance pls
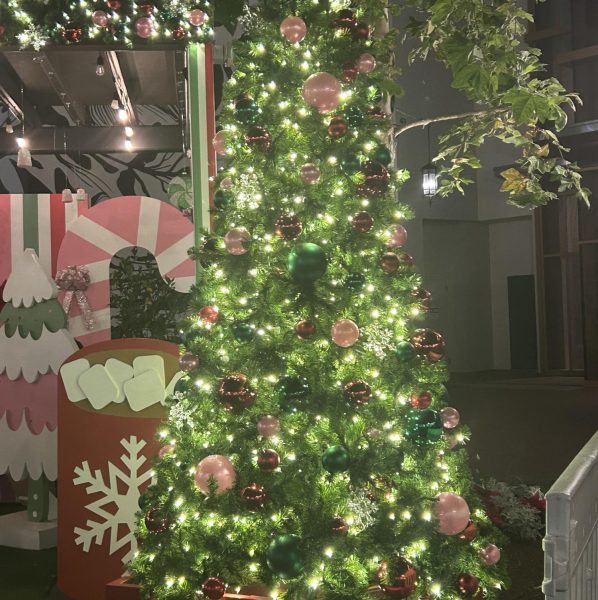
(34, 342)
(311, 448)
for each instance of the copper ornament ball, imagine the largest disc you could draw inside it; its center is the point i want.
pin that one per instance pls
(188, 362)
(361, 31)
(72, 34)
(258, 138)
(358, 392)
(469, 533)
(268, 460)
(213, 588)
(288, 227)
(154, 522)
(390, 262)
(403, 579)
(362, 222)
(468, 584)
(253, 496)
(305, 329)
(339, 526)
(421, 401)
(350, 72)
(209, 314)
(178, 32)
(114, 4)
(428, 344)
(235, 393)
(337, 128)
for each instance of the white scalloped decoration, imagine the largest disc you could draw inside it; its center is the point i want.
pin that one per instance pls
(23, 454)
(28, 283)
(31, 358)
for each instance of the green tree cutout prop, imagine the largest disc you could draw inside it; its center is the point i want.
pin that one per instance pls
(34, 342)
(311, 447)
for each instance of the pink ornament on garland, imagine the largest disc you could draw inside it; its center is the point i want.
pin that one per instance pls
(99, 18)
(268, 426)
(366, 63)
(165, 450)
(345, 333)
(144, 27)
(398, 236)
(226, 183)
(197, 17)
(323, 91)
(490, 555)
(450, 417)
(216, 467)
(293, 29)
(219, 142)
(236, 240)
(310, 174)
(452, 513)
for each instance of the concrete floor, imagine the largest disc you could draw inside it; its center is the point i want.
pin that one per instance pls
(524, 429)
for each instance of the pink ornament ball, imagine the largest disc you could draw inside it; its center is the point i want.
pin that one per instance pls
(197, 17)
(452, 513)
(366, 63)
(219, 142)
(216, 467)
(99, 18)
(450, 417)
(165, 450)
(398, 236)
(268, 426)
(293, 29)
(144, 27)
(490, 555)
(345, 333)
(310, 174)
(226, 183)
(323, 91)
(235, 241)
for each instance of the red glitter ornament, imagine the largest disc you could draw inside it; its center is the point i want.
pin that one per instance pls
(421, 401)
(305, 329)
(114, 4)
(213, 588)
(350, 72)
(403, 578)
(390, 262)
(428, 344)
(259, 138)
(146, 9)
(358, 392)
(209, 314)
(469, 533)
(424, 297)
(268, 460)
(345, 19)
(376, 180)
(154, 522)
(72, 34)
(376, 112)
(339, 526)
(178, 32)
(361, 31)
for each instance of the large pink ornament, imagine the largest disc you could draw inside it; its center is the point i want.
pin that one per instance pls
(197, 17)
(268, 426)
(226, 183)
(450, 417)
(398, 236)
(452, 513)
(144, 27)
(215, 467)
(235, 241)
(293, 29)
(99, 18)
(323, 91)
(345, 333)
(310, 174)
(366, 63)
(219, 142)
(490, 555)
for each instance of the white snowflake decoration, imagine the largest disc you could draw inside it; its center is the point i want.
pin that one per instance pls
(127, 503)
(362, 509)
(378, 340)
(181, 415)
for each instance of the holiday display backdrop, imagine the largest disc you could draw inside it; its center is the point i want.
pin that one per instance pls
(34, 342)
(36, 221)
(105, 451)
(312, 446)
(112, 226)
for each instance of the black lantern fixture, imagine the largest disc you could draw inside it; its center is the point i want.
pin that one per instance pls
(429, 175)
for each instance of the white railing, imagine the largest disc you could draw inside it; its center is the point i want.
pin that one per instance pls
(571, 542)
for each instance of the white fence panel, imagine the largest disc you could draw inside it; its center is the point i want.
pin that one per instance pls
(571, 542)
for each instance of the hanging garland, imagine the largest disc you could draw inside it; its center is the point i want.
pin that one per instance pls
(38, 23)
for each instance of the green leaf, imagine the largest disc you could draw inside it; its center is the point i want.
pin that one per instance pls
(528, 107)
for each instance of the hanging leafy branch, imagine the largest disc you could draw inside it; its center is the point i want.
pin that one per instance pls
(481, 42)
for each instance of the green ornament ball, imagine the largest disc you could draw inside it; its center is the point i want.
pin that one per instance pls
(247, 111)
(405, 351)
(284, 556)
(382, 155)
(354, 116)
(222, 199)
(350, 165)
(306, 263)
(423, 427)
(243, 331)
(355, 281)
(336, 459)
(291, 391)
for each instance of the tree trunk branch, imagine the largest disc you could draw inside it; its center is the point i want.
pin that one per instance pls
(466, 115)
